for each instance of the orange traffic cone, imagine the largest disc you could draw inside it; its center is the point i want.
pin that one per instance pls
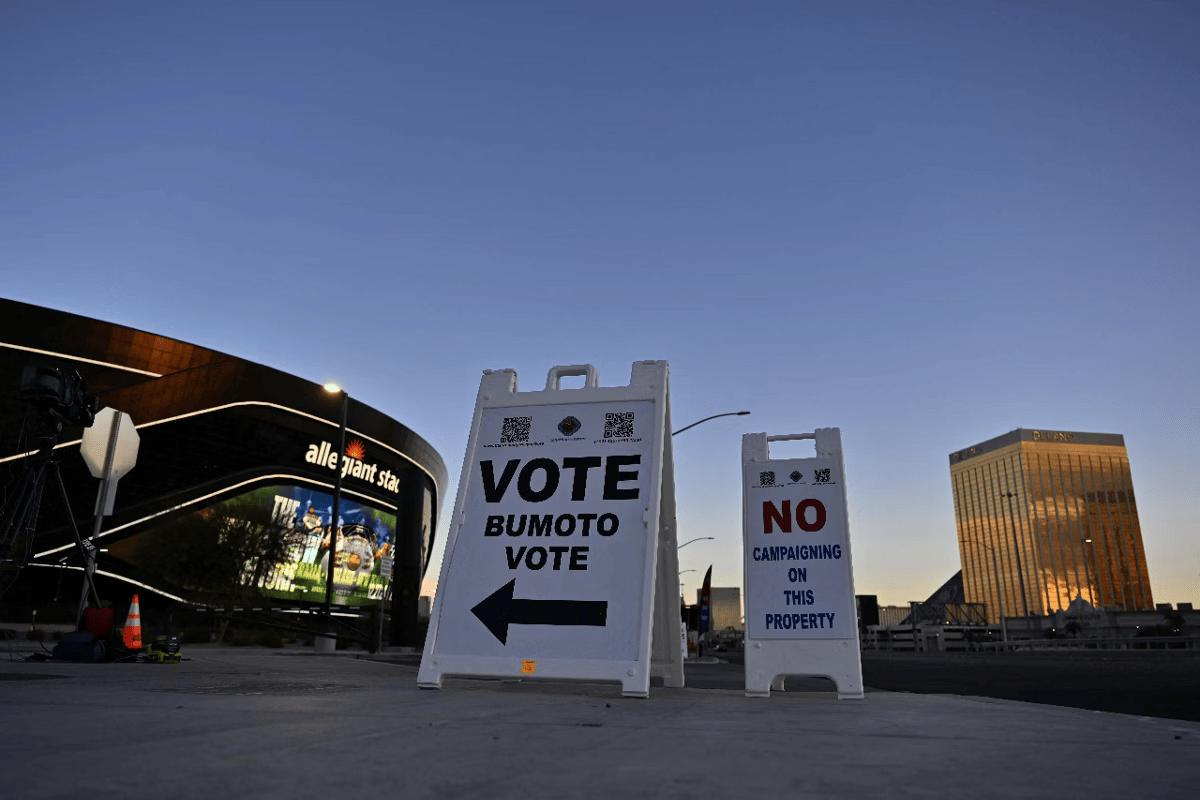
(132, 633)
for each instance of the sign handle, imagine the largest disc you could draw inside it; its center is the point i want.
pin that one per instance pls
(828, 441)
(556, 374)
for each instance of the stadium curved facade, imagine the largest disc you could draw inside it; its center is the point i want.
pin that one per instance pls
(233, 485)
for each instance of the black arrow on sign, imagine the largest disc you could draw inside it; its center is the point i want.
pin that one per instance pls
(499, 610)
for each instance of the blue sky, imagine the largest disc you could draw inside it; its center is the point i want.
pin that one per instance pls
(925, 223)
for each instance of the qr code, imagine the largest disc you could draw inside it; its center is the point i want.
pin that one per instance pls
(766, 479)
(618, 425)
(821, 475)
(516, 429)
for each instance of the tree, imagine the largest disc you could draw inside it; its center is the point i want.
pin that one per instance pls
(254, 540)
(221, 554)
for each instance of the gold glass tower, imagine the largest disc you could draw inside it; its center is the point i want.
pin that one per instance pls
(1047, 516)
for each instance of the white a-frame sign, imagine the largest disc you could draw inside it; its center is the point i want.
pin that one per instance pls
(800, 614)
(561, 557)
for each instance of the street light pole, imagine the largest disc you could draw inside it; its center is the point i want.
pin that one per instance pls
(702, 538)
(333, 388)
(685, 544)
(706, 419)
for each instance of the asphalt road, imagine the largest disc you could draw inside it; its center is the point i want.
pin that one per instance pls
(1156, 684)
(243, 722)
(1145, 683)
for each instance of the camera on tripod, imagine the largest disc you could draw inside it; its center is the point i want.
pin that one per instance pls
(56, 397)
(62, 395)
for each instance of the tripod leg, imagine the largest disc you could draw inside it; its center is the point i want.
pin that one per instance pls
(17, 541)
(87, 575)
(23, 518)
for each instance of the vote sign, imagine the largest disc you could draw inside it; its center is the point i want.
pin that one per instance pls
(554, 521)
(550, 565)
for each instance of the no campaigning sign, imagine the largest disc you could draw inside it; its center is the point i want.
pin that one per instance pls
(799, 583)
(549, 558)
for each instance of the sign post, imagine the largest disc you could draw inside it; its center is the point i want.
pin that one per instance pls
(800, 613)
(386, 565)
(560, 560)
(109, 448)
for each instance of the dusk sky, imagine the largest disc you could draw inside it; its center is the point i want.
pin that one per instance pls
(925, 223)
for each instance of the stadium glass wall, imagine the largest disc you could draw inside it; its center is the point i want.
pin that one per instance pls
(231, 493)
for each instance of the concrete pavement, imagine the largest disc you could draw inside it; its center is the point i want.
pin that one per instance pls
(261, 723)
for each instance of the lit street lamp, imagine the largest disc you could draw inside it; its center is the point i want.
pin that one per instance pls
(706, 419)
(333, 388)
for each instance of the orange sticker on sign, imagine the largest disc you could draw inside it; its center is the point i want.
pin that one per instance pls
(528, 666)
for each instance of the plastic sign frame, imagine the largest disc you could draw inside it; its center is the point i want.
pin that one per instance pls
(603, 608)
(797, 570)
